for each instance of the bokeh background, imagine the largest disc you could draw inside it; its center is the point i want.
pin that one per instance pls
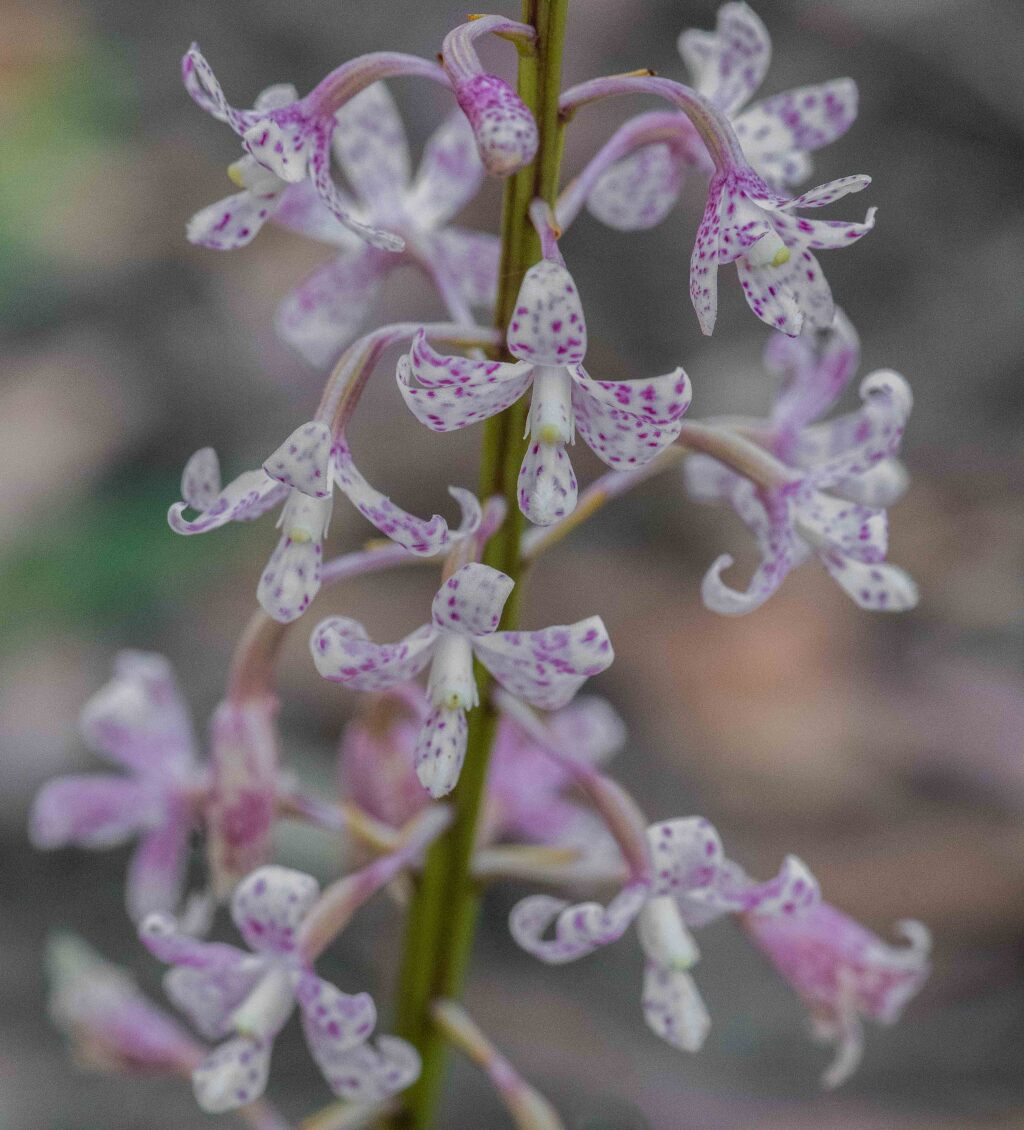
(887, 752)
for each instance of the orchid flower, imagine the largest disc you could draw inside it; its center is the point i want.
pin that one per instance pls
(526, 789)
(691, 883)
(249, 996)
(288, 140)
(302, 474)
(323, 314)
(640, 179)
(625, 423)
(839, 475)
(139, 722)
(843, 972)
(544, 667)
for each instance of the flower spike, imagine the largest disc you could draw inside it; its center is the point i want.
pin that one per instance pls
(545, 667)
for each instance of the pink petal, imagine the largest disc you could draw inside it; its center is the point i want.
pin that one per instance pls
(270, 904)
(449, 175)
(471, 600)
(729, 64)
(547, 326)
(156, 875)
(232, 222)
(640, 190)
(504, 129)
(333, 1021)
(97, 811)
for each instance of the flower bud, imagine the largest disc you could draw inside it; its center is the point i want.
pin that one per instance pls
(504, 129)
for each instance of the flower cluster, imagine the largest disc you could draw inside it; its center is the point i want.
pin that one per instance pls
(542, 808)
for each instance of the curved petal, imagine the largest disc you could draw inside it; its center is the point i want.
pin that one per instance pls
(579, 929)
(471, 600)
(97, 811)
(827, 193)
(873, 587)
(370, 147)
(248, 496)
(232, 1075)
(640, 190)
(772, 296)
(333, 1021)
(167, 942)
(547, 667)
(303, 460)
(440, 750)
(424, 537)
(673, 1007)
(547, 326)
(471, 258)
(280, 141)
(449, 175)
(880, 485)
(458, 391)
(547, 483)
(204, 89)
(139, 719)
(822, 235)
(366, 1073)
(344, 653)
(729, 64)
(269, 905)
(232, 222)
(156, 875)
(325, 311)
(660, 400)
(338, 205)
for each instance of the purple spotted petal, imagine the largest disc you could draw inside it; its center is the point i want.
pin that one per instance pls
(423, 537)
(234, 221)
(303, 460)
(547, 326)
(344, 653)
(440, 750)
(686, 855)
(673, 1007)
(204, 89)
(873, 587)
(370, 147)
(293, 574)
(210, 997)
(547, 667)
(302, 211)
(325, 311)
(200, 480)
(232, 1075)
(449, 175)
(781, 296)
(639, 191)
(139, 719)
(504, 129)
(97, 811)
(856, 531)
(367, 1074)
(880, 485)
(333, 1021)
(471, 258)
(729, 64)
(156, 874)
(447, 393)
(827, 193)
(471, 600)
(579, 929)
(281, 143)
(547, 486)
(269, 905)
(821, 235)
(248, 496)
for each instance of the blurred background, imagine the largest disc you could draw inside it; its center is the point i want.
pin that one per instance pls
(886, 752)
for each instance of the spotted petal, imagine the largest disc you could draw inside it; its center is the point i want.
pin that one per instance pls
(93, 811)
(471, 258)
(210, 997)
(729, 64)
(874, 587)
(449, 174)
(167, 942)
(303, 460)
(344, 653)
(327, 190)
(292, 577)
(232, 1075)
(547, 667)
(440, 750)
(579, 929)
(547, 485)
(640, 190)
(367, 1074)
(673, 1007)
(204, 89)
(333, 1021)
(370, 147)
(248, 496)
(302, 211)
(822, 235)
(471, 600)
(547, 326)
(232, 222)
(269, 905)
(200, 480)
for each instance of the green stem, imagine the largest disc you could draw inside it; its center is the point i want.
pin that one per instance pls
(443, 916)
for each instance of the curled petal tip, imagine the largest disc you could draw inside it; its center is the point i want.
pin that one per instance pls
(504, 129)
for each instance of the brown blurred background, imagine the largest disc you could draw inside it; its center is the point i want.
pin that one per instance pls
(886, 752)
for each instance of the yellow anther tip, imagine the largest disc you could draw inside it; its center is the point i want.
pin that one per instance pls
(551, 434)
(781, 256)
(235, 173)
(299, 536)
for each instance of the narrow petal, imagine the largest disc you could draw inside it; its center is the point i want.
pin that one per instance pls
(424, 537)
(827, 193)
(673, 1007)
(873, 587)
(325, 311)
(269, 905)
(139, 719)
(814, 373)
(232, 222)
(366, 1073)
(547, 483)
(547, 667)
(440, 750)
(449, 175)
(729, 65)
(97, 811)
(458, 391)
(579, 929)
(471, 600)
(248, 496)
(822, 235)
(704, 262)
(156, 875)
(232, 1075)
(547, 326)
(639, 191)
(323, 182)
(471, 258)
(200, 480)
(370, 147)
(204, 89)
(344, 653)
(167, 942)
(333, 1021)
